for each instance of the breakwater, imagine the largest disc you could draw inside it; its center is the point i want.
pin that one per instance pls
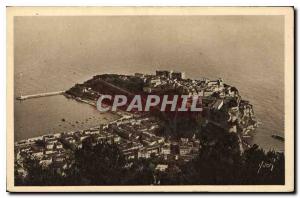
(39, 95)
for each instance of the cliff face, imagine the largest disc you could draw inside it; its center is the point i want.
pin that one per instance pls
(237, 119)
(247, 121)
(241, 121)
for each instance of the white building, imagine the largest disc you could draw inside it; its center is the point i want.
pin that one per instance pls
(161, 167)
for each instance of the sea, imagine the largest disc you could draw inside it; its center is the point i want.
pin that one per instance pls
(55, 53)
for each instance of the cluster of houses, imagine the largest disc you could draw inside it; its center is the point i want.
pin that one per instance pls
(47, 150)
(143, 143)
(214, 93)
(175, 81)
(134, 136)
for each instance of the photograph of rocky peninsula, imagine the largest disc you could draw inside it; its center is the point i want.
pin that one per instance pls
(151, 100)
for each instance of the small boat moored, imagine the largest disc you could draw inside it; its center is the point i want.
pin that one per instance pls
(278, 137)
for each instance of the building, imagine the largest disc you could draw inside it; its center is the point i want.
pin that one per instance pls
(163, 73)
(49, 145)
(143, 153)
(139, 75)
(161, 167)
(178, 75)
(59, 145)
(166, 149)
(184, 150)
(130, 149)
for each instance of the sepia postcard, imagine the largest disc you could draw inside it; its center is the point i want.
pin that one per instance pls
(150, 99)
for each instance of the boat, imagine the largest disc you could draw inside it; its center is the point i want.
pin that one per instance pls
(278, 137)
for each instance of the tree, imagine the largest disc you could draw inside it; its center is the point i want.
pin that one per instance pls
(102, 164)
(38, 175)
(140, 173)
(263, 168)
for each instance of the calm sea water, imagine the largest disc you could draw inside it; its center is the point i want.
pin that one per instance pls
(54, 53)
(55, 114)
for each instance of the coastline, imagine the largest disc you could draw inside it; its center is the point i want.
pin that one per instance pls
(214, 86)
(247, 135)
